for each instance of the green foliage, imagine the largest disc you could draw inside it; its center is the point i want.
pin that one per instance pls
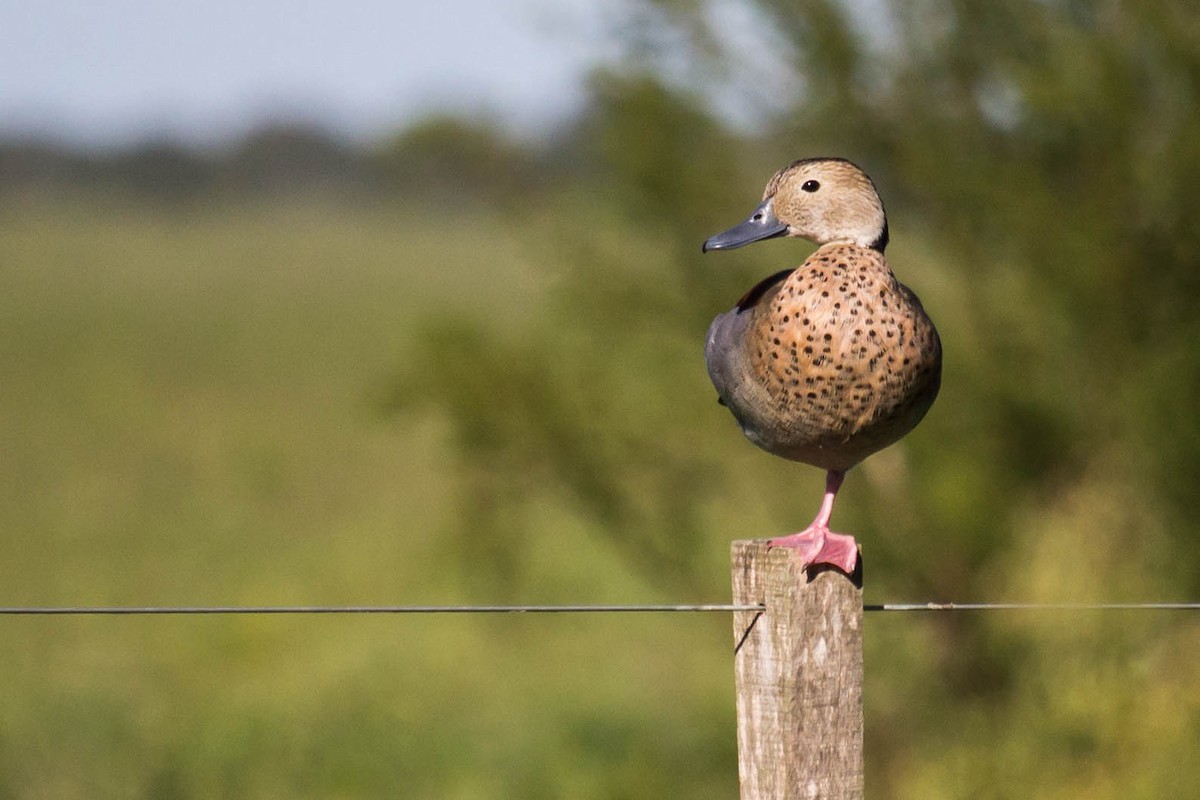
(456, 162)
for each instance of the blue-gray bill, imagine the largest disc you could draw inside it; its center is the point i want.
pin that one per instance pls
(763, 224)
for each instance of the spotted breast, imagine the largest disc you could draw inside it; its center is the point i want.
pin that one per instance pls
(828, 363)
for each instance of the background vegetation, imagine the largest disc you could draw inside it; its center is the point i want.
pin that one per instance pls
(461, 367)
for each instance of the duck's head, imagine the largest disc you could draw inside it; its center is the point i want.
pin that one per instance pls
(824, 200)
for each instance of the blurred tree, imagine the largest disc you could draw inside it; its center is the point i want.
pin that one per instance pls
(160, 171)
(291, 160)
(455, 159)
(30, 166)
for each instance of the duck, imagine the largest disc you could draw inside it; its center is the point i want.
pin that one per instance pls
(829, 362)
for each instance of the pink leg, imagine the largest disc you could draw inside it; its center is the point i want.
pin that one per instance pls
(816, 543)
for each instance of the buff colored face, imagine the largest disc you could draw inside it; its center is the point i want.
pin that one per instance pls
(827, 201)
(823, 200)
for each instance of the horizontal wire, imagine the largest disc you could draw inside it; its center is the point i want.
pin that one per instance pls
(564, 609)
(198, 610)
(1033, 607)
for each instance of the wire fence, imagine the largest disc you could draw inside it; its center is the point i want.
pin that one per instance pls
(544, 609)
(565, 609)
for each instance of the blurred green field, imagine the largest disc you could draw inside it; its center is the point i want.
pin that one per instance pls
(191, 414)
(325, 404)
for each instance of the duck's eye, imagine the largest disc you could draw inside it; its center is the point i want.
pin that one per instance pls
(810, 186)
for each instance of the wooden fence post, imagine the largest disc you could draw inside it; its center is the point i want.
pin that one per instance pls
(799, 671)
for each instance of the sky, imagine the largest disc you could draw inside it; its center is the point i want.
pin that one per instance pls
(103, 73)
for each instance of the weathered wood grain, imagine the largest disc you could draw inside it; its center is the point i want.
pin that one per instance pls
(799, 672)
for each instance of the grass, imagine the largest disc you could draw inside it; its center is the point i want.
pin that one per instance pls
(191, 414)
(196, 390)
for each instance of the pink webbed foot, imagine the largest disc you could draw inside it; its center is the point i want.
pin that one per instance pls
(819, 545)
(816, 543)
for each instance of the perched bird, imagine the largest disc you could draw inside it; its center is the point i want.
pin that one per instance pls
(831, 361)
